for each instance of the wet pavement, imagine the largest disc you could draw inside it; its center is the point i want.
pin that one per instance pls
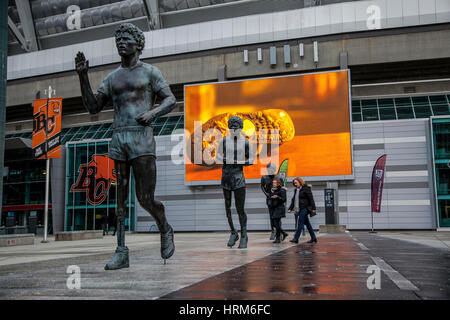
(334, 268)
(203, 268)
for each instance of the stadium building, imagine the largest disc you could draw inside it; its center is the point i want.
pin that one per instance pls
(396, 52)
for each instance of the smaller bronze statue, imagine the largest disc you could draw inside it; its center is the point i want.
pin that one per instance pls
(234, 152)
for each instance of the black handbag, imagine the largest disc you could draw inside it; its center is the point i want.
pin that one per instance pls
(310, 211)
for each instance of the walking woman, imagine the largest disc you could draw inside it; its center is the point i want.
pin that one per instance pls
(276, 204)
(302, 203)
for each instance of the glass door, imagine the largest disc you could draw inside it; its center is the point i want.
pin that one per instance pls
(441, 150)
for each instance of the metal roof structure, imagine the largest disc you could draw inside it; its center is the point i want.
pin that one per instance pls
(42, 24)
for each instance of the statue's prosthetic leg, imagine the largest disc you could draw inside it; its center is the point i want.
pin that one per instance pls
(234, 235)
(239, 199)
(120, 259)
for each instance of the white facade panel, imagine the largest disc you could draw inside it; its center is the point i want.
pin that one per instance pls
(239, 30)
(293, 24)
(323, 19)
(442, 11)
(308, 22)
(279, 25)
(410, 11)
(252, 27)
(427, 11)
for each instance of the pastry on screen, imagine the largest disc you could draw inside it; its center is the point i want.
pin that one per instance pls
(264, 126)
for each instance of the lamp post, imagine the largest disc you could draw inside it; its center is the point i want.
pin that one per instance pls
(47, 174)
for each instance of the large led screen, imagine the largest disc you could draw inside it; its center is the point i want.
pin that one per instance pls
(310, 114)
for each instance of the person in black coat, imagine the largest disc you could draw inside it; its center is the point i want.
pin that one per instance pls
(302, 203)
(113, 221)
(104, 223)
(266, 186)
(276, 204)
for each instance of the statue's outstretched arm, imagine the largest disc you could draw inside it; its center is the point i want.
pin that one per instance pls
(92, 103)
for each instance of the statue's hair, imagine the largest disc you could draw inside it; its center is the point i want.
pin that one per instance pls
(137, 34)
(236, 119)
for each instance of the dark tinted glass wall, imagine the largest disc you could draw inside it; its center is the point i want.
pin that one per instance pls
(400, 108)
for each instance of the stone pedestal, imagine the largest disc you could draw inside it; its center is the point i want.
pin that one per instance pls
(16, 240)
(332, 228)
(78, 235)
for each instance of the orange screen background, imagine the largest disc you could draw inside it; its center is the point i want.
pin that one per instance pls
(318, 105)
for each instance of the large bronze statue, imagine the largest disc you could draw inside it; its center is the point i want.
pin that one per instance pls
(131, 89)
(235, 152)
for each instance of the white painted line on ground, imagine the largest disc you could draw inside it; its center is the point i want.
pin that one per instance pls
(363, 247)
(399, 280)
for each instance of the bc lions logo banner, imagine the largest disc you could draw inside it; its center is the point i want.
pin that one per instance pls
(95, 178)
(377, 183)
(46, 141)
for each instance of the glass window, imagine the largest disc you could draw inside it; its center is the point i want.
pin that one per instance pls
(438, 100)
(442, 142)
(444, 212)
(387, 114)
(372, 103)
(156, 130)
(167, 129)
(79, 222)
(172, 120)
(160, 121)
(356, 103)
(405, 113)
(90, 219)
(370, 114)
(443, 178)
(99, 134)
(440, 109)
(423, 111)
(405, 101)
(356, 117)
(37, 193)
(80, 213)
(180, 125)
(383, 103)
(356, 109)
(417, 101)
(14, 193)
(108, 133)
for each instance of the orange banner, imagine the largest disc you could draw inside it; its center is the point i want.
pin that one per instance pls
(311, 113)
(46, 141)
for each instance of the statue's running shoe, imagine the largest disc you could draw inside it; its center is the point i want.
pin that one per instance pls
(167, 244)
(119, 260)
(234, 236)
(244, 239)
(273, 234)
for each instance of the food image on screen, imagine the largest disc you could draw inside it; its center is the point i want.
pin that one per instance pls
(311, 113)
(277, 124)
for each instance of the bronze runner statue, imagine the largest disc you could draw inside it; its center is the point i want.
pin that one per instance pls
(235, 152)
(131, 89)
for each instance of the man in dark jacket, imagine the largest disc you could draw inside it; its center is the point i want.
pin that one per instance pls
(303, 203)
(105, 223)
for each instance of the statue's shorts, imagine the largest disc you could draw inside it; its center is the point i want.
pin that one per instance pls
(131, 142)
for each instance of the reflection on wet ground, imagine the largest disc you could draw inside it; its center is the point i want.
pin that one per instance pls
(204, 268)
(334, 268)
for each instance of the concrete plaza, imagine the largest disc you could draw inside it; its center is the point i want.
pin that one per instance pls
(413, 264)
